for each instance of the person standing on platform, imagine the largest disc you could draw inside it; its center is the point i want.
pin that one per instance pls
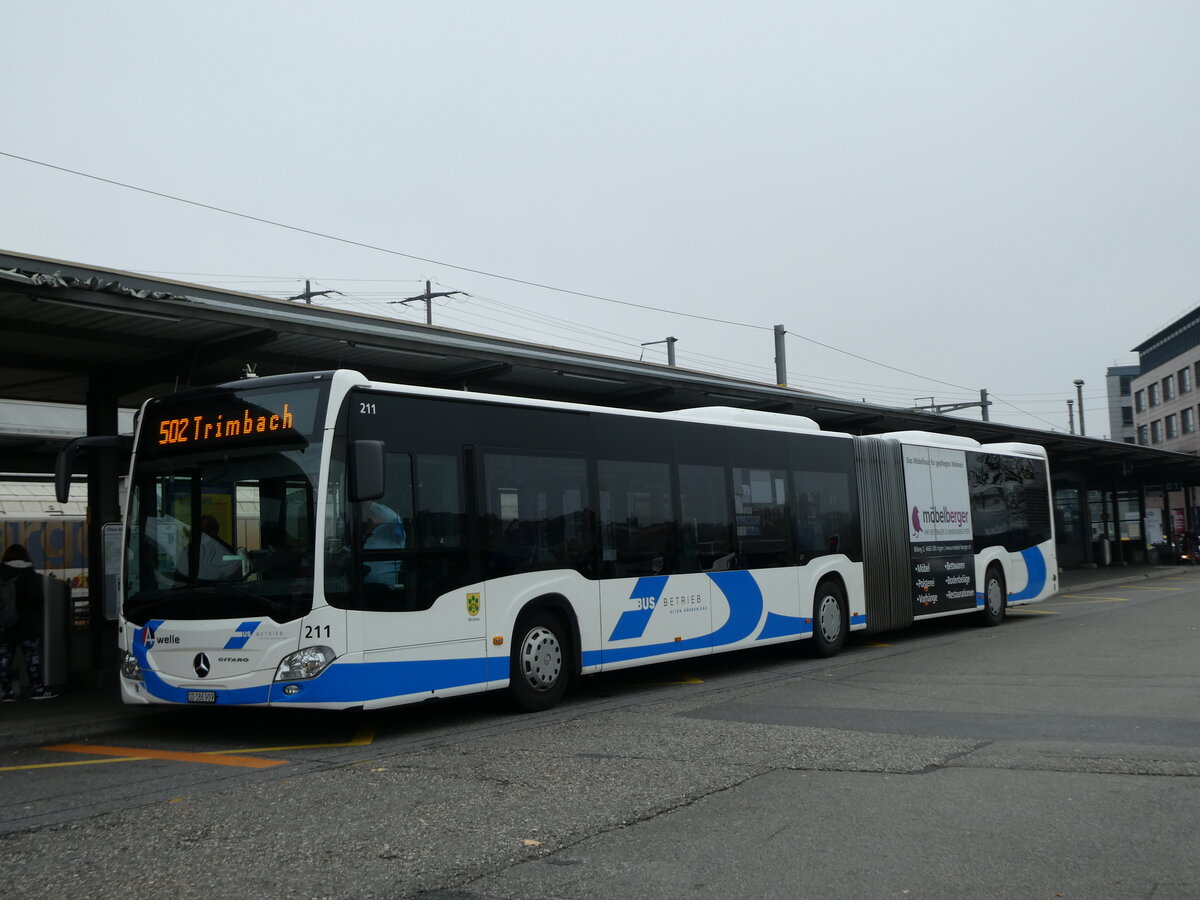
(21, 606)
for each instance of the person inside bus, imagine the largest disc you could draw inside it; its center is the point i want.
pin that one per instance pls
(382, 530)
(21, 583)
(218, 561)
(277, 559)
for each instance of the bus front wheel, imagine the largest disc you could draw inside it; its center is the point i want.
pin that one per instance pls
(830, 619)
(539, 669)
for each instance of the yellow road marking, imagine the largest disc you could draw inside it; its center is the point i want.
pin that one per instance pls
(1078, 600)
(74, 762)
(1032, 612)
(1091, 597)
(687, 679)
(365, 735)
(1145, 587)
(216, 759)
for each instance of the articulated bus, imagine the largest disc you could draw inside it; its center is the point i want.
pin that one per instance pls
(326, 541)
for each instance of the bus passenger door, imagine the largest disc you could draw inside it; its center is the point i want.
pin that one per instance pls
(422, 622)
(648, 614)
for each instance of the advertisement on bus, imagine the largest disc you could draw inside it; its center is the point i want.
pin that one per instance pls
(940, 536)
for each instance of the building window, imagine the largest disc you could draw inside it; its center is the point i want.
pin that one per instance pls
(1143, 435)
(1154, 394)
(1126, 415)
(1125, 381)
(1156, 432)
(1169, 388)
(1185, 381)
(1139, 401)
(1187, 418)
(1172, 427)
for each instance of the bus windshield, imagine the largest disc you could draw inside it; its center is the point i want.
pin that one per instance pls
(222, 525)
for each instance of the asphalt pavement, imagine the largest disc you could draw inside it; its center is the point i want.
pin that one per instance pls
(1055, 756)
(80, 712)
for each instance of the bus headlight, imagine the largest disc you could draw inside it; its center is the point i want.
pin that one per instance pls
(130, 667)
(308, 662)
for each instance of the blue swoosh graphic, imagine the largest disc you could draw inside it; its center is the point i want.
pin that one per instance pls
(1035, 564)
(745, 606)
(359, 682)
(745, 611)
(633, 622)
(241, 635)
(1035, 568)
(347, 683)
(784, 626)
(159, 688)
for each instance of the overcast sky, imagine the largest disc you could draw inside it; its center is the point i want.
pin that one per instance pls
(948, 196)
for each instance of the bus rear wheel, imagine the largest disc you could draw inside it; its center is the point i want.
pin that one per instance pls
(540, 664)
(995, 598)
(830, 619)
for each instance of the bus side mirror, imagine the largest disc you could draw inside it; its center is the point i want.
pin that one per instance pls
(366, 470)
(65, 461)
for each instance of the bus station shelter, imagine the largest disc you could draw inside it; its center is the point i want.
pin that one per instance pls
(107, 340)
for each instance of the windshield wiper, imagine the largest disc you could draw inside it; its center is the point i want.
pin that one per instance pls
(147, 606)
(273, 607)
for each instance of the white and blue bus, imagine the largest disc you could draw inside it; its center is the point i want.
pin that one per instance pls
(326, 541)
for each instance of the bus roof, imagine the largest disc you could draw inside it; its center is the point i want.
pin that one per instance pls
(754, 418)
(718, 415)
(930, 439)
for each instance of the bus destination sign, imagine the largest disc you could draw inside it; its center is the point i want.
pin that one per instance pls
(202, 428)
(231, 419)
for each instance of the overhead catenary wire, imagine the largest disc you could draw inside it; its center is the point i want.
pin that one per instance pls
(612, 342)
(997, 399)
(462, 268)
(749, 369)
(367, 300)
(287, 278)
(597, 338)
(262, 220)
(548, 319)
(900, 397)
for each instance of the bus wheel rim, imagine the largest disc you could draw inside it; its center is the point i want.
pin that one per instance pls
(994, 600)
(830, 618)
(541, 659)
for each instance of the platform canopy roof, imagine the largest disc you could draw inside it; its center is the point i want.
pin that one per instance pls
(73, 332)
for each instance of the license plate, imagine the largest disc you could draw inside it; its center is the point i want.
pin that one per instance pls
(201, 696)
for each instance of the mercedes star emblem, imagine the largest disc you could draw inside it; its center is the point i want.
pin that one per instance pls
(201, 664)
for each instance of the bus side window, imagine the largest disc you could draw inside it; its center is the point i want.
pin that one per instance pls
(637, 529)
(705, 527)
(761, 514)
(823, 505)
(415, 553)
(535, 513)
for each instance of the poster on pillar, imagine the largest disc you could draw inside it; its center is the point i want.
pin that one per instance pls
(1154, 526)
(941, 545)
